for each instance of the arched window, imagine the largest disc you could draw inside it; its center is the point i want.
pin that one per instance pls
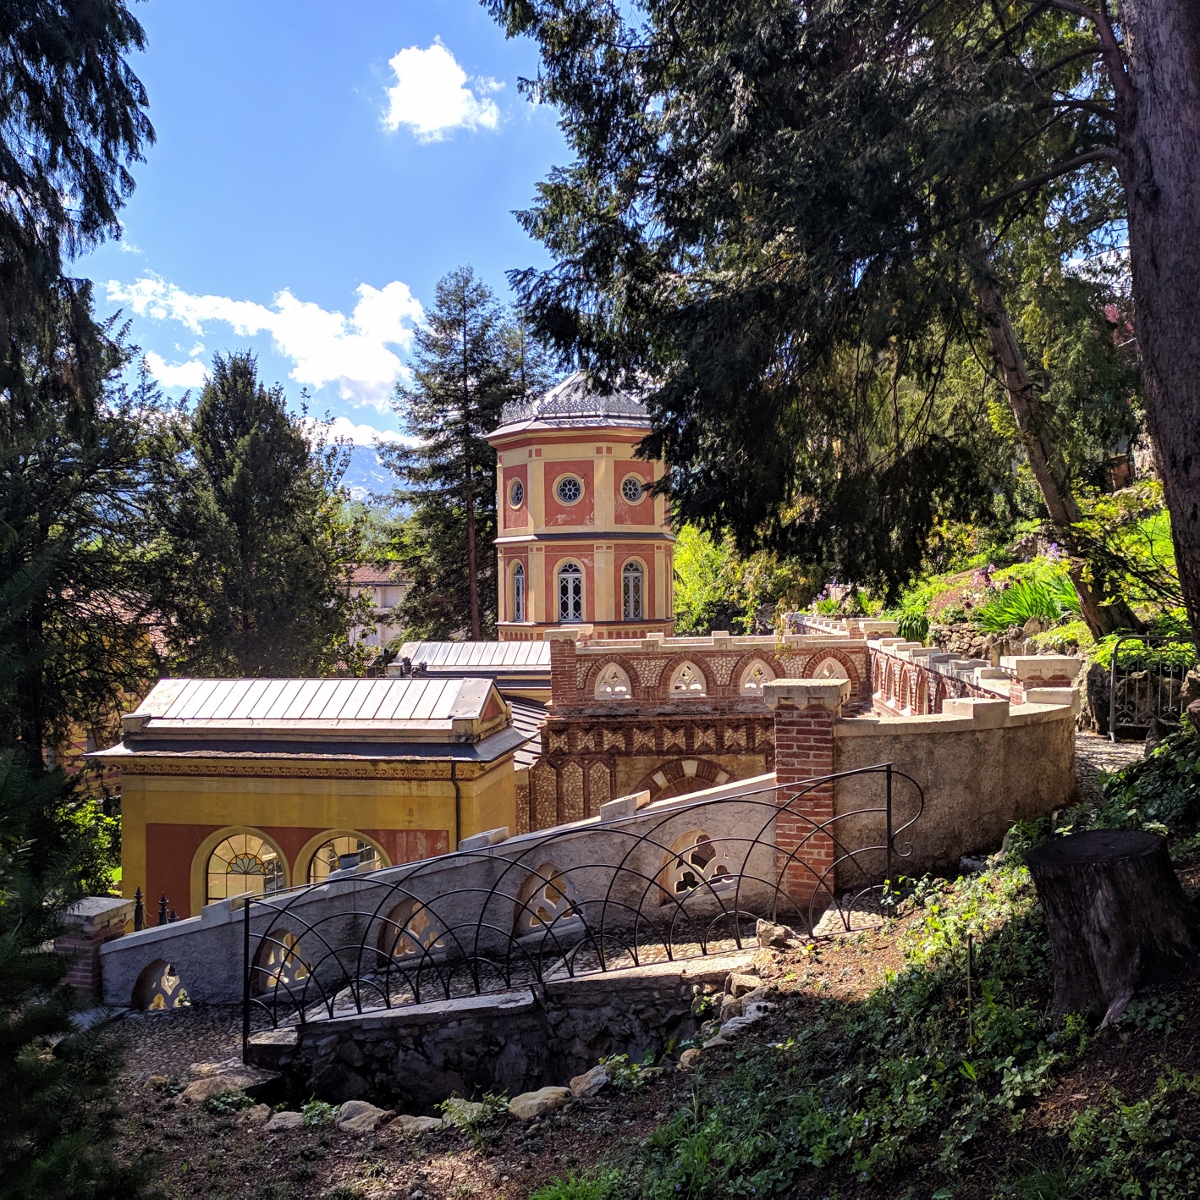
(688, 680)
(341, 854)
(613, 684)
(631, 591)
(830, 668)
(518, 593)
(754, 676)
(570, 593)
(243, 862)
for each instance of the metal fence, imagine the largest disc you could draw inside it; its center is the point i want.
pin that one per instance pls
(1147, 684)
(689, 881)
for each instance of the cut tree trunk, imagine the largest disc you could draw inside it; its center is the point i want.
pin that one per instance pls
(1117, 917)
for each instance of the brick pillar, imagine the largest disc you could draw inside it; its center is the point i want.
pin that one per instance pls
(86, 927)
(805, 712)
(564, 686)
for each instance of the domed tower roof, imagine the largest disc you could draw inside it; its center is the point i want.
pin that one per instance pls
(576, 402)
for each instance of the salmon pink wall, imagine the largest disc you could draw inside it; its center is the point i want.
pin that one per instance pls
(514, 518)
(582, 513)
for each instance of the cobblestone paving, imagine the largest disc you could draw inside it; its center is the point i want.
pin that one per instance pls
(1096, 757)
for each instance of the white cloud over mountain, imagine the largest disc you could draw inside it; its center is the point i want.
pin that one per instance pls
(326, 347)
(360, 435)
(431, 96)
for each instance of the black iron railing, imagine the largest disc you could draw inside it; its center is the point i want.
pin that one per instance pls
(682, 882)
(1146, 684)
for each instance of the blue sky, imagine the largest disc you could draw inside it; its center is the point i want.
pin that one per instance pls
(318, 168)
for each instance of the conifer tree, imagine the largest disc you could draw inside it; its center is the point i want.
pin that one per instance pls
(251, 571)
(463, 371)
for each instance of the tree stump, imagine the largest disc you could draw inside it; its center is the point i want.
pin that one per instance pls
(1116, 914)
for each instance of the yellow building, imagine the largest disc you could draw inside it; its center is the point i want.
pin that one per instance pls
(235, 785)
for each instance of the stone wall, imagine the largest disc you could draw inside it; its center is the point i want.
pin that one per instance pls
(516, 1041)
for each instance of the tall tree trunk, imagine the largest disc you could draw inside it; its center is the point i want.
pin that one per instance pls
(472, 570)
(1158, 108)
(1044, 460)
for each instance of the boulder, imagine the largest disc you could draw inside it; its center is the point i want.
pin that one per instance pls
(409, 1126)
(590, 1082)
(282, 1122)
(737, 1024)
(690, 1059)
(357, 1116)
(260, 1114)
(731, 1007)
(778, 937)
(1193, 714)
(528, 1105)
(739, 985)
(213, 1085)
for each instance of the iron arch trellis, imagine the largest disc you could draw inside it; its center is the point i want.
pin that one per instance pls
(507, 917)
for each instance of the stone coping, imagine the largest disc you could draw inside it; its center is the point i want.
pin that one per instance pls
(961, 719)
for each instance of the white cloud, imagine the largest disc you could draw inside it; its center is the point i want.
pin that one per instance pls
(128, 247)
(185, 375)
(360, 435)
(325, 347)
(431, 96)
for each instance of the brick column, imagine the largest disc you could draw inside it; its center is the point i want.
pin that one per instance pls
(805, 711)
(86, 927)
(564, 686)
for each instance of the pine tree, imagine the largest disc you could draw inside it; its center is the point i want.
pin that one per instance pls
(252, 567)
(75, 624)
(463, 370)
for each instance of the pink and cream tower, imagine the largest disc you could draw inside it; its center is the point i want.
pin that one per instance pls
(582, 541)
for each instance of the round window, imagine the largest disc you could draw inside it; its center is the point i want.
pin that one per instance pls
(516, 494)
(632, 488)
(569, 489)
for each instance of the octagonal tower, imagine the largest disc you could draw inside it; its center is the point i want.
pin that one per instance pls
(581, 539)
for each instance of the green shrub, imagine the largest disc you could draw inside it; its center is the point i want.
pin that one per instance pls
(317, 1112)
(224, 1103)
(578, 1187)
(1161, 789)
(1048, 599)
(913, 626)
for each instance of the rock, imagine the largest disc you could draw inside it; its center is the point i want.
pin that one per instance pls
(690, 1059)
(737, 1024)
(409, 1126)
(202, 1069)
(971, 865)
(281, 1122)
(731, 1007)
(260, 1114)
(1193, 714)
(462, 1112)
(1191, 688)
(158, 1081)
(738, 985)
(758, 996)
(585, 1086)
(357, 1116)
(1032, 627)
(528, 1105)
(213, 1085)
(779, 936)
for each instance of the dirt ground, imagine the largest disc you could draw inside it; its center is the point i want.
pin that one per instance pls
(201, 1153)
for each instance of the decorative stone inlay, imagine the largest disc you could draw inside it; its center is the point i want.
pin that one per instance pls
(558, 742)
(722, 668)
(696, 863)
(705, 739)
(571, 779)
(585, 740)
(599, 786)
(735, 738)
(581, 673)
(649, 671)
(613, 739)
(643, 739)
(673, 738)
